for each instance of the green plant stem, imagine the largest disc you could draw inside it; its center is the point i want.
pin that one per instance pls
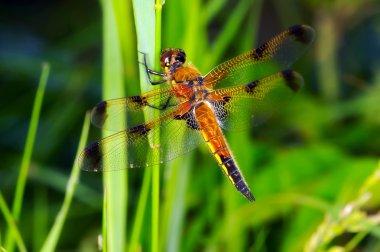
(156, 170)
(54, 234)
(115, 183)
(104, 226)
(355, 241)
(137, 224)
(145, 30)
(11, 224)
(158, 22)
(174, 207)
(40, 211)
(28, 150)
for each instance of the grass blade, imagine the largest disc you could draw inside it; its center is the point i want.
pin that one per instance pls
(55, 232)
(147, 43)
(28, 150)
(115, 183)
(41, 224)
(140, 210)
(11, 224)
(175, 203)
(156, 170)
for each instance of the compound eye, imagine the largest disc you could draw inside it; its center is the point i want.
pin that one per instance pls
(181, 58)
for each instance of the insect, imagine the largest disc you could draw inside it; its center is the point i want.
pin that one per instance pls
(194, 108)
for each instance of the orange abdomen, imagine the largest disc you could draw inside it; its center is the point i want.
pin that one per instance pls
(213, 136)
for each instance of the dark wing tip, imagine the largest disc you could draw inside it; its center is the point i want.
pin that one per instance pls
(293, 79)
(303, 33)
(91, 159)
(98, 114)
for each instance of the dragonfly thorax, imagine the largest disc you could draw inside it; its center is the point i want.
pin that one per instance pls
(199, 95)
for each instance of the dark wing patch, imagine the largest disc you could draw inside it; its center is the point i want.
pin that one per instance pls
(302, 33)
(141, 130)
(251, 86)
(292, 80)
(120, 114)
(189, 118)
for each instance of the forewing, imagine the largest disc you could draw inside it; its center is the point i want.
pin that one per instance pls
(122, 113)
(241, 107)
(131, 148)
(273, 56)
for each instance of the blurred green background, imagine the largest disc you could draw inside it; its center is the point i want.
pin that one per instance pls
(313, 167)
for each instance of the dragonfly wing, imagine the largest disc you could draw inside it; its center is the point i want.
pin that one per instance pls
(122, 113)
(175, 130)
(273, 56)
(241, 107)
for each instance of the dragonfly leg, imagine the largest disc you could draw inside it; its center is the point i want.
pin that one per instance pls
(164, 106)
(150, 71)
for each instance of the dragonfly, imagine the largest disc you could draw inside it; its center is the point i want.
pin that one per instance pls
(235, 95)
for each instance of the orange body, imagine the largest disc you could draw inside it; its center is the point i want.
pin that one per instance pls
(208, 125)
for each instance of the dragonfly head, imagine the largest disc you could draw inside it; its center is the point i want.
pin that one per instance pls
(172, 57)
